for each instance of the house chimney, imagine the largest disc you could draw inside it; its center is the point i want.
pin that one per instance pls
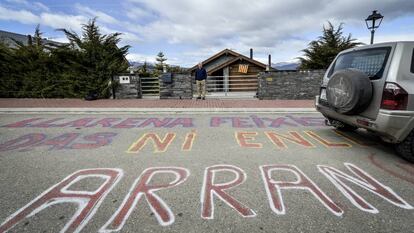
(251, 53)
(270, 62)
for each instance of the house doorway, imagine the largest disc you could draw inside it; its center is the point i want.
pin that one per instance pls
(215, 82)
(237, 86)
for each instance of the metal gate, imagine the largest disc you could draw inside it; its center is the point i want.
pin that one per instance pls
(232, 86)
(150, 86)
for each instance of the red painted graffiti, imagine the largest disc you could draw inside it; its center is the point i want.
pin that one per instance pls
(189, 141)
(211, 189)
(393, 172)
(23, 123)
(64, 141)
(142, 188)
(274, 188)
(59, 142)
(147, 184)
(365, 181)
(406, 167)
(88, 202)
(265, 122)
(252, 121)
(160, 145)
(25, 141)
(244, 139)
(120, 123)
(294, 137)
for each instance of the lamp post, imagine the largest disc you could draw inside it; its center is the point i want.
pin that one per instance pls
(373, 21)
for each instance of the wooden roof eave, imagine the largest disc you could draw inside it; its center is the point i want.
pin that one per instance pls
(223, 52)
(235, 60)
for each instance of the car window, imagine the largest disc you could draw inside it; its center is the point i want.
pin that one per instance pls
(370, 61)
(412, 63)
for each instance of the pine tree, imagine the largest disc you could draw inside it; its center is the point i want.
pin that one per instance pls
(85, 65)
(161, 59)
(145, 67)
(321, 52)
(143, 70)
(32, 67)
(97, 60)
(8, 71)
(37, 36)
(177, 69)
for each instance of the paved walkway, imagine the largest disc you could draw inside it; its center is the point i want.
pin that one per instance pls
(154, 103)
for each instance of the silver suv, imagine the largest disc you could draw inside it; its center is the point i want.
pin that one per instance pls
(372, 87)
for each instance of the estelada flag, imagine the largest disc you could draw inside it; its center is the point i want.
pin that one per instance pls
(243, 68)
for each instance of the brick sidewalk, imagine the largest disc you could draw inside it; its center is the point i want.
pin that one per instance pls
(154, 103)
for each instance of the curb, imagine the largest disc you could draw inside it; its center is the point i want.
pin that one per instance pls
(152, 110)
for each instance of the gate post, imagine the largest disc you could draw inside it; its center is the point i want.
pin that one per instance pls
(139, 87)
(113, 87)
(127, 86)
(226, 84)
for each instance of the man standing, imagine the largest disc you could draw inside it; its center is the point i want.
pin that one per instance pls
(200, 77)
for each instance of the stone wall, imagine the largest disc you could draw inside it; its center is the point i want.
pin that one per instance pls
(129, 90)
(180, 88)
(293, 85)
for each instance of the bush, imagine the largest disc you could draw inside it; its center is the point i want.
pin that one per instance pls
(71, 70)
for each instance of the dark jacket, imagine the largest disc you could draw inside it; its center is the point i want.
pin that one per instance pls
(200, 74)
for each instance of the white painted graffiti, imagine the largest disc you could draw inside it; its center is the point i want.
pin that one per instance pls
(89, 201)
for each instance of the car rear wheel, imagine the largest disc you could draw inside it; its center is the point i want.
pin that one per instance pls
(406, 148)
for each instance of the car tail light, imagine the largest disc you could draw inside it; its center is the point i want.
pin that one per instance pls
(394, 97)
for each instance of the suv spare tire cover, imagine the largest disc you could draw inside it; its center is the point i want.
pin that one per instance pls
(349, 91)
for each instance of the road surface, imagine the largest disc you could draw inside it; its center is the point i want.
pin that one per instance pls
(198, 173)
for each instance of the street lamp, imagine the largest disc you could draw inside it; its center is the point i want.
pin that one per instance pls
(373, 22)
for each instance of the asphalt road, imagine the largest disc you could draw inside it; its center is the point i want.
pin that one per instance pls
(198, 173)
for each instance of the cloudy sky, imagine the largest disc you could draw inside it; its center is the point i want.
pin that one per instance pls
(188, 31)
